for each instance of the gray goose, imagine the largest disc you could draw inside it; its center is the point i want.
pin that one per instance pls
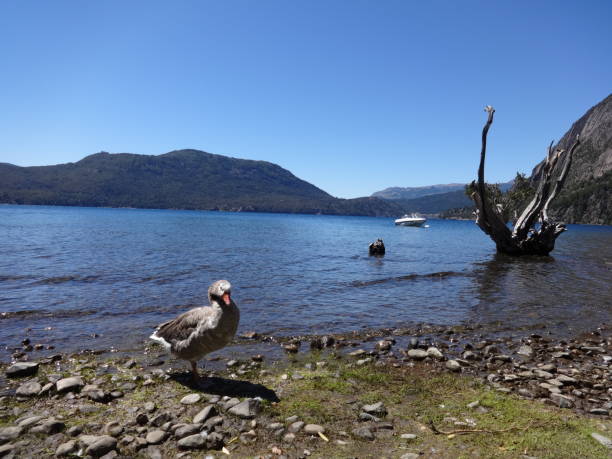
(200, 331)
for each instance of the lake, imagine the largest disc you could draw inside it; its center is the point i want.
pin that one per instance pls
(70, 273)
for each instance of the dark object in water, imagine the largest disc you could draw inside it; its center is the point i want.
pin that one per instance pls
(377, 248)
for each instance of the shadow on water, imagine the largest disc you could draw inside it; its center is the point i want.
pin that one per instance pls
(230, 387)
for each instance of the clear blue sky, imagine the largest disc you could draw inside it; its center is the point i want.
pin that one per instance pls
(352, 96)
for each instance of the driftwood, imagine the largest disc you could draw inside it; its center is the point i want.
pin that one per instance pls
(534, 233)
(377, 248)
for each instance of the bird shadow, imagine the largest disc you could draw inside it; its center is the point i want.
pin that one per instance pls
(222, 386)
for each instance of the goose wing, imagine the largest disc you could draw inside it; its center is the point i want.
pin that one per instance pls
(182, 327)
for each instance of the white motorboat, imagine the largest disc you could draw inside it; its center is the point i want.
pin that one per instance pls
(410, 220)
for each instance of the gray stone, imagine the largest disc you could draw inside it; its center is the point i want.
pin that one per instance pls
(113, 428)
(29, 389)
(274, 426)
(65, 449)
(409, 456)
(97, 395)
(21, 369)
(46, 388)
(562, 401)
(75, 430)
(525, 351)
(9, 433)
(149, 407)
(214, 440)
(156, 437)
(231, 402)
(295, 426)
(384, 345)
(291, 419)
(542, 374)
(49, 427)
(212, 422)
(605, 441)
(408, 436)
(453, 365)
(362, 362)
(101, 445)
(112, 454)
(599, 411)
(564, 379)
(28, 421)
(187, 430)
(154, 453)
(7, 450)
(128, 386)
(435, 353)
(246, 409)
(363, 433)
(160, 419)
(377, 409)
(191, 399)
(313, 429)
(289, 438)
(203, 415)
(71, 384)
(192, 442)
(417, 354)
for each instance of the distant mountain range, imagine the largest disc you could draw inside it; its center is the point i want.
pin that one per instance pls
(182, 179)
(193, 179)
(433, 199)
(397, 192)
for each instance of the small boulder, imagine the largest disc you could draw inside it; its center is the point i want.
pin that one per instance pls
(101, 445)
(453, 365)
(295, 426)
(313, 429)
(417, 354)
(246, 409)
(605, 441)
(21, 369)
(562, 401)
(191, 399)
(66, 449)
(72, 384)
(435, 353)
(377, 409)
(203, 415)
(363, 433)
(156, 437)
(29, 389)
(9, 433)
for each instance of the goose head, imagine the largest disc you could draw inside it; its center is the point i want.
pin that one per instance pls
(220, 292)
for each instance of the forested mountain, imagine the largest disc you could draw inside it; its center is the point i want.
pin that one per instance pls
(182, 179)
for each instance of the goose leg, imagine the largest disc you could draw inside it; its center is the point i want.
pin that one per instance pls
(194, 371)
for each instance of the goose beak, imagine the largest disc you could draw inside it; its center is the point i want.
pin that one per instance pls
(226, 299)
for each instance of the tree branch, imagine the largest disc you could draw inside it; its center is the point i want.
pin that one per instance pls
(561, 179)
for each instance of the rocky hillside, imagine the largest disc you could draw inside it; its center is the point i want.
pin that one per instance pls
(587, 195)
(183, 179)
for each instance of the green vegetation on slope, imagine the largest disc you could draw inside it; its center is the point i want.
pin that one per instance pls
(184, 179)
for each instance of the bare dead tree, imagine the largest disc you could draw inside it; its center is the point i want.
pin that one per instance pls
(526, 238)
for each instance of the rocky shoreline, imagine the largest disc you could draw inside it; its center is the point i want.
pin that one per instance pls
(92, 404)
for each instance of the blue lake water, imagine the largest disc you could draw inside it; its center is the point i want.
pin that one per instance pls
(67, 273)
